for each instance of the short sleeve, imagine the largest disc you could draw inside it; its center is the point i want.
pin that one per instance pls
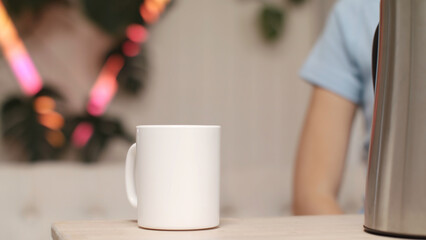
(331, 65)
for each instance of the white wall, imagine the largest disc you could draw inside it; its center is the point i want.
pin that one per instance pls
(211, 66)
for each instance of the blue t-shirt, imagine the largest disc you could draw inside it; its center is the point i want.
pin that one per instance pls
(341, 59)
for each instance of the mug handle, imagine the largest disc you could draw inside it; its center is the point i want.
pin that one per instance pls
(130, 176)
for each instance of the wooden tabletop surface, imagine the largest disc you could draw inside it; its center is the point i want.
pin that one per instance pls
(283, 228)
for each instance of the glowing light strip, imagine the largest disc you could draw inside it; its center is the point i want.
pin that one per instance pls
(82, 134)
(17, 56)
(150, 10)
(105, 86)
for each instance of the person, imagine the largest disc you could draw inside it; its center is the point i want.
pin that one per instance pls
(339, 69)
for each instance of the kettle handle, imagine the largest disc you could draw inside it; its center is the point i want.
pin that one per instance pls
(374, 56)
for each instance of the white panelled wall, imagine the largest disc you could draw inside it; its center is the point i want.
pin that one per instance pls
(209, 65)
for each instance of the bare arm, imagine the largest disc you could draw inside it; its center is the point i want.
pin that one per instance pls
(321, 154)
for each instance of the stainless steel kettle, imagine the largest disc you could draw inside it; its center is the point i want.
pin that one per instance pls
(395, 201)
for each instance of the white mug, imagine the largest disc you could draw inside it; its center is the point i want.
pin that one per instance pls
(173, 176)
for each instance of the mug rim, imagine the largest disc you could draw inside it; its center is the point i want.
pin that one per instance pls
(178, 126)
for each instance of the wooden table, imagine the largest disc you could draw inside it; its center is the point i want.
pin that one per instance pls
(312, 227)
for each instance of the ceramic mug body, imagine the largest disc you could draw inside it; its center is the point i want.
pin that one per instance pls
(175, 185)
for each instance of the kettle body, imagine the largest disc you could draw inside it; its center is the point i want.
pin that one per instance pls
(395, 200)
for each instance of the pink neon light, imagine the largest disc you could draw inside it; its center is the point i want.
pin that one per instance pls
(131, 49)
(26, 73)
(105, 86)
(17, 56)
(82, 134)
(137, 33)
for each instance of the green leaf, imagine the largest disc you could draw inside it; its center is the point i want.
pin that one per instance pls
(272, 22)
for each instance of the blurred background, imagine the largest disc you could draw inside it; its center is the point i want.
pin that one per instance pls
(229, 62)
